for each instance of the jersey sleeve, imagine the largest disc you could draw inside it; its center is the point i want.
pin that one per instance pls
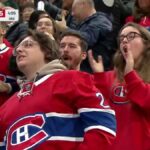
(97, 117)
(138, 90)
(104, 81)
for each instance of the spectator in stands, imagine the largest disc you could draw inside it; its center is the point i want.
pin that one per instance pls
(119, 11)
(141, 13)
(54, 108)
(73, 49)
(8, 83)
(20, 27)
(94, 26)
(25, 11)
(128, 87)
(35, 17)
(47, 25)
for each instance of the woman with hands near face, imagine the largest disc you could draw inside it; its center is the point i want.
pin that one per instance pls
(128, 87)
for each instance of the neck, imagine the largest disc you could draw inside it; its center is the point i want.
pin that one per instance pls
(75, 67)
(30, 76)
(78, 68)
(30, 71)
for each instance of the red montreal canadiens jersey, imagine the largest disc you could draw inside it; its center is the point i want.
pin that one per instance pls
(5, 74)
(57, 112)
(131, 102)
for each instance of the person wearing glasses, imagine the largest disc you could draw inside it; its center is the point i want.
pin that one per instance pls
(55, 108)
(128, 87)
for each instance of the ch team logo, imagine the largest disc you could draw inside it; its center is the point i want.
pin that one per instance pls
(26, 133)
(119, 91)
(119, 95)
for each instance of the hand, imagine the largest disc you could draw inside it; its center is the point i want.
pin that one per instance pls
(129, 60)
(50, 35)
(97, 66)
(64, 12)
(4, 87)
(62, 25)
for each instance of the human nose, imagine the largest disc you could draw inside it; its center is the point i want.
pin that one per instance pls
(43, 25)
(124, 39)
(17, 50)
(66, 48)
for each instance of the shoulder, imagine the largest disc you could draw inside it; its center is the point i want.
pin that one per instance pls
(72, 74)
(104, 16)
(73, 78)
(103, 20)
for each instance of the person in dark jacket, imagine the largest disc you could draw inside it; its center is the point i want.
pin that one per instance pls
(19, 28)
(94, 27)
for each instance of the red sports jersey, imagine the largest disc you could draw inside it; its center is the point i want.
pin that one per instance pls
(145, 21)
(7, 43)
(131, 102)
(5, 73)
(57, 112)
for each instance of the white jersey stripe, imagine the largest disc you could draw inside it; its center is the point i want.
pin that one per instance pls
(54, 114)
(82, 110)
(64, 138)
(42, 79)
(101, 128)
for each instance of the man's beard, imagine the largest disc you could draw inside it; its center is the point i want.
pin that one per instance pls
(74, 64)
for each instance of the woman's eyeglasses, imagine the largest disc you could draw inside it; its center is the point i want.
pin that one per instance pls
(130, 36)
(25, 44)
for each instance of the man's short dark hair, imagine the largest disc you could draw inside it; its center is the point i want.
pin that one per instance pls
(83, 42)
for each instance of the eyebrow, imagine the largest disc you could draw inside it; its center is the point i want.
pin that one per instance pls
(29, 40)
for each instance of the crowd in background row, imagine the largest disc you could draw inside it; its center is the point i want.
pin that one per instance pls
(102, 101)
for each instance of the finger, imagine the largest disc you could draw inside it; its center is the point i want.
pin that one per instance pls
(63, 18)
(90, 55)
(100, 59)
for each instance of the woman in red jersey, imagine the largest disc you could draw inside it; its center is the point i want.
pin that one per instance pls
(128, 87)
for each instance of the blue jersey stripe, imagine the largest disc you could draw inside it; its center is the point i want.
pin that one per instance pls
(68, 127)
(99, 119)
(75, 126)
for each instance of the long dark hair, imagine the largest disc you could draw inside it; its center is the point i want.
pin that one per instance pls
(139, 13)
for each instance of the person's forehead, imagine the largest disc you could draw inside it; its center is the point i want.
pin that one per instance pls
(28, 9)
(129, 29)
(28, 38)
(70, 38)
(44, 19)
